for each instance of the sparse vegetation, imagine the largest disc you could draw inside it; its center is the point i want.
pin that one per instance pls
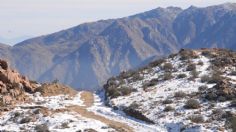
(167, 76)
(191, 67)
(169, 108)
(187, 54)
(41, 128)
(197, 118)
(182, 75)
(180, 94)
(167, 101)
(192, 104)
(157, 62)
(203, 88)
(151, 83)
(194, 74)
(168, 67)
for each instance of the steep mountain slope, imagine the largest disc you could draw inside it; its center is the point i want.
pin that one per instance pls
(194, 90)
(85, 56)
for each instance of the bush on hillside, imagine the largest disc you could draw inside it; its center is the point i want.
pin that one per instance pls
(192, 104)
(191, 67)
(150, 83)
(197, 118)
(180, 94)
(182, 76)
(169, 108)
(168, 67)
(167, 76)
(167, 101)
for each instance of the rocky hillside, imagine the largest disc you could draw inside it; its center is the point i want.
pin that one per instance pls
(85, 56)
(193, 90)
(29, 106)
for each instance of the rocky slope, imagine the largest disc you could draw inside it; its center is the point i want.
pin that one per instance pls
(86, 55)
(193, 90)
(29, 106)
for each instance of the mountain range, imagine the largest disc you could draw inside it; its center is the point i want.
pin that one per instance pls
(85, 56)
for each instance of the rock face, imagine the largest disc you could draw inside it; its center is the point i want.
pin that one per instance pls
(85, 56)
(223, 89)
(13, 86)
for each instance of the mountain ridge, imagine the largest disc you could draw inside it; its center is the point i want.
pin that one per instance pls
(99, 50)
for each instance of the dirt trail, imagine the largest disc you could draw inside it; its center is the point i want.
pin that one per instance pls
(88, 99)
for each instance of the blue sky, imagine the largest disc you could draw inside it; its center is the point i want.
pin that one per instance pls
(26, 18)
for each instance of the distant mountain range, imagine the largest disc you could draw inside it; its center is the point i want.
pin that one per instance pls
(85, 56)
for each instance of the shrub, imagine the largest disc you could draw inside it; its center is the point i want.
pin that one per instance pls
(168, 108)
(205, 78)
(25, 120)
(157, 62)
(168, 67)
(192, 104)
(182, 76)
(126, 74)
(41, 128)
(191, 67)
(187, 54)
(231, 123)
(217, 114)
(233, 73)
(200, 63)
(233, 103)
(167, 76)
(197, 118)
(180, 94)
(202, 88)
(194, 74)
(222, 99)
(214, 78)
(137, 77)
(151, 83)
(125, 90)
(65, 125)
(167, 101)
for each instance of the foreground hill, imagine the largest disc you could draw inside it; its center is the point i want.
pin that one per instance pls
(30, 106)
(86, 55)
(193, 90)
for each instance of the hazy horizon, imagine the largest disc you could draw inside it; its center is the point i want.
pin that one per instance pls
(30, 18)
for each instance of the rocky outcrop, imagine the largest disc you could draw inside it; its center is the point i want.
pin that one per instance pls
(54, 89)
(223, 89)
(13, 86)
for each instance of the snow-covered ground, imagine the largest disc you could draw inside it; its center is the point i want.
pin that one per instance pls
(150, 102)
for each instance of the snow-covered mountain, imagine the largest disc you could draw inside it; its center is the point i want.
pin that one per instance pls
(194, 90)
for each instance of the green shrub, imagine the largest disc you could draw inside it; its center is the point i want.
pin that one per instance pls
(192, 104)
